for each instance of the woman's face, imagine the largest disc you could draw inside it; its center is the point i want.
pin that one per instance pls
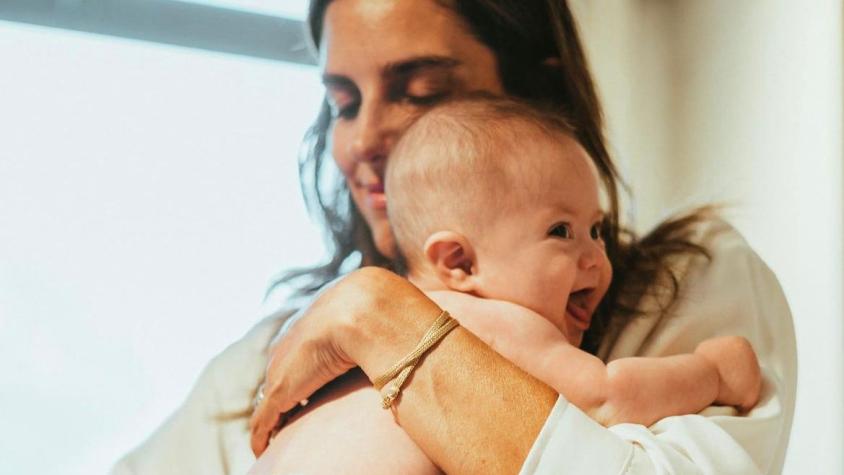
(384, 63)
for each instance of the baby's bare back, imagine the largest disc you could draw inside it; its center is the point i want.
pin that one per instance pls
(344, 430)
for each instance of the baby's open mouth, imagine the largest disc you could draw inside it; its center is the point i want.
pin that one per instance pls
(579, 308)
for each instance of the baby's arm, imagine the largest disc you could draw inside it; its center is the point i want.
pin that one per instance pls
(740, 378)
(638, 390)
(722, 370)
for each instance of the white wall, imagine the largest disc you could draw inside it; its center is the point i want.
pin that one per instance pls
(741, 103)
(147, 195)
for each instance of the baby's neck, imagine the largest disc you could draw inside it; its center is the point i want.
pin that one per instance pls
(425, 281)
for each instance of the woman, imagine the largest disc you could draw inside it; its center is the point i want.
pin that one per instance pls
(466, 408)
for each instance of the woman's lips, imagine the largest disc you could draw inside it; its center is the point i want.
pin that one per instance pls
(375, 197)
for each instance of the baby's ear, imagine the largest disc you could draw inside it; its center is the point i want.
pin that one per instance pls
(453, 259)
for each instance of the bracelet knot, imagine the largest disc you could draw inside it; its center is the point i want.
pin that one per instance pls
(398, 374)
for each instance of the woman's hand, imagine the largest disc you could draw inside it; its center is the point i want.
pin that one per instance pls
(366, 319)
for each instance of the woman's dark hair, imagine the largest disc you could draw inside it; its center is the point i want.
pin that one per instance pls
(541, 60)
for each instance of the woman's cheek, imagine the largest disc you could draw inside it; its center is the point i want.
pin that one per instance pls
(338, 144)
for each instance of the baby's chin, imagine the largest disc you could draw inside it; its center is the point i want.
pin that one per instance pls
(574, 336)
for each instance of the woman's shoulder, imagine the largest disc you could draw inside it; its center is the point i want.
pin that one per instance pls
(730, 291)
(213, 416)
(234, 374)
(721, 238)
(728, 259)
(731, 270)
(255, 340)
(228, 382)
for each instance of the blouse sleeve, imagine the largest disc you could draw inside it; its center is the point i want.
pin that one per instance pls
(209, 433)
(734, 293)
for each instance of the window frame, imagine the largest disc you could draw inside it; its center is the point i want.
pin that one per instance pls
(171, 22)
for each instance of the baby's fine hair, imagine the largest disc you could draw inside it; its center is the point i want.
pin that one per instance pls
(460, 154)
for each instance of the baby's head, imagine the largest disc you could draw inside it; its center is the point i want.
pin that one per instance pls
(495, 198)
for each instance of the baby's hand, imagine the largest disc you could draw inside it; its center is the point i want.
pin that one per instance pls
(738, 370)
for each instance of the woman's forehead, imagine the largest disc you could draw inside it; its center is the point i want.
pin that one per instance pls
(377, 33)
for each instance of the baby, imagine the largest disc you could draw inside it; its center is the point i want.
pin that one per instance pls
(496, 212)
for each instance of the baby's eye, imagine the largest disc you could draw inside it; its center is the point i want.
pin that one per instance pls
(561, 230)
(596, 231)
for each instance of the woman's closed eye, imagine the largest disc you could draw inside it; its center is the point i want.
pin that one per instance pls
(426, 100)
(424, 88)
(347, 109)
(342, 95)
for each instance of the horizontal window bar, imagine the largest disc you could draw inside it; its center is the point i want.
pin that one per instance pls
(171, 22)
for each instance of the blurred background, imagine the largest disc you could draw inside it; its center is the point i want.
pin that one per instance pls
(148, 189)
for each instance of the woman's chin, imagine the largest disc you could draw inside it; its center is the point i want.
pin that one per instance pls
(384, 241)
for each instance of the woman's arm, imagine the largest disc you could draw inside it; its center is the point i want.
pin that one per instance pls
(469, 409)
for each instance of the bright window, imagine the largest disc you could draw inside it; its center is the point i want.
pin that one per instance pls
(147, 195)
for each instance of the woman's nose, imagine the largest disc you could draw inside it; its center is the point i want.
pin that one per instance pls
(372, 137)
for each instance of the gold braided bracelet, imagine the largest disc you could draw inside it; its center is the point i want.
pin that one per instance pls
(398, 374)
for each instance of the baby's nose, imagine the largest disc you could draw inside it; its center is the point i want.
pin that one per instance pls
(589, 255)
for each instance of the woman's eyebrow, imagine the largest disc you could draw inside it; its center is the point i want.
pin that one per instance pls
(407, 67)
(401, 68)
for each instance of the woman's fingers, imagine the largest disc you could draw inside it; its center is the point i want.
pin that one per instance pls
(262, 427)
(301, 361)
(337, 332)
(276, 399)
(266, 413)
